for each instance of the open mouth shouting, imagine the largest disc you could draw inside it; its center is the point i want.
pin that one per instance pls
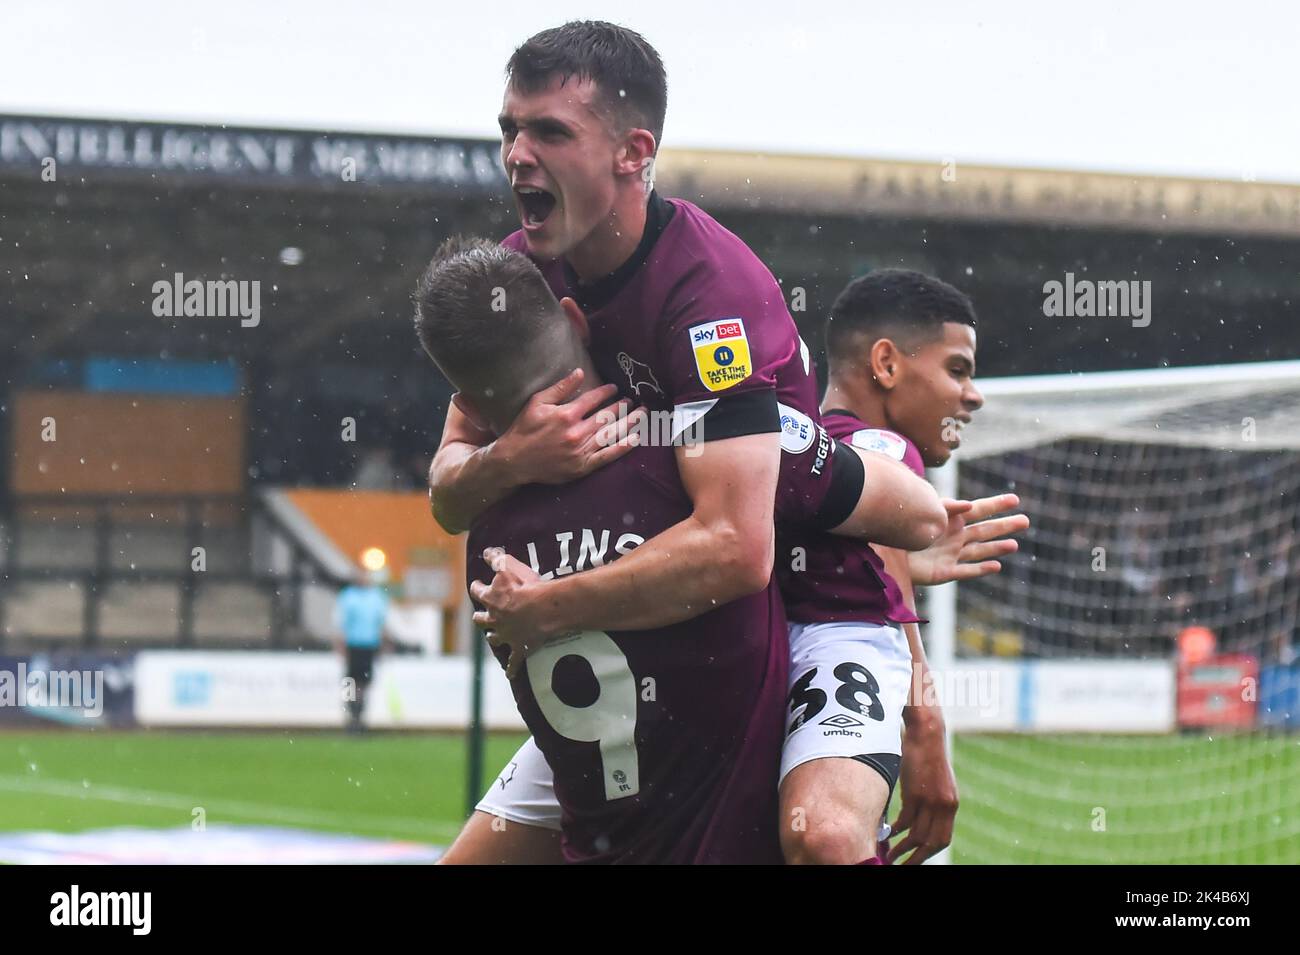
(535, 206)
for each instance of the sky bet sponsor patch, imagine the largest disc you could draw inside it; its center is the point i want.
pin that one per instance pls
(882, 442)
(721, 353)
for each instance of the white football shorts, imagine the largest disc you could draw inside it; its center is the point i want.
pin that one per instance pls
(525, 790)
(848, 687)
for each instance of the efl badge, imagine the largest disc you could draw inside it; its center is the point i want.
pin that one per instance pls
(797, 430)
(721, 353)
(882, 442)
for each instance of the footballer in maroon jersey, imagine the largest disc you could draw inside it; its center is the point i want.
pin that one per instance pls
(840, 579)
(850, 603)
(664, 742)
(901, 347)
(685, 320)
(695, 324)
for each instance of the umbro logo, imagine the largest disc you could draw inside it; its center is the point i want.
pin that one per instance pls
(840, 721)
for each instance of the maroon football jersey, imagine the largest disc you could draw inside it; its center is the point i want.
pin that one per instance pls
(693, 324)
(665, 744)
(829, 579)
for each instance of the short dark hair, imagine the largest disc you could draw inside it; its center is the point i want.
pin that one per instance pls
(626, 69)
(908, 307)
(484, 314)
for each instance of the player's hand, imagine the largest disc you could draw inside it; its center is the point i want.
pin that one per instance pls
(511, 602)
(929, 794)
(971, 544)
(554, 440)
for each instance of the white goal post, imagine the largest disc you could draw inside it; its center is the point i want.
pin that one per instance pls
(1161, 500)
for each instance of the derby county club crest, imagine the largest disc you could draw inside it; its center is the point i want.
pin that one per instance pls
(638, 374)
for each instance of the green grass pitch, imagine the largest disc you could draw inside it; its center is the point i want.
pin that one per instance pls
(404, 786)
(1087, 799)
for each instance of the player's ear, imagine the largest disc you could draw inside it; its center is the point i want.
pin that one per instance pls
(884, 362)
(466, 407)
(573, 312)
(637, 154)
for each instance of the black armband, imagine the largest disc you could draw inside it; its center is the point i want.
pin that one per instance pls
(731, 416)
(848, 477)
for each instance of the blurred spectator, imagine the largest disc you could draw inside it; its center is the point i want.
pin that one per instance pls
(360, 614)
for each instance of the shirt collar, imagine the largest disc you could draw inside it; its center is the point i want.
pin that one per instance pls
(598, 294)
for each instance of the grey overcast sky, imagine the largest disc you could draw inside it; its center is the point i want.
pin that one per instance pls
(1182, 88)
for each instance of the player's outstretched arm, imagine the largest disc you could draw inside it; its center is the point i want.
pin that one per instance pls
(897, 508)
(723, 551)
(971, 542)
(553, 440)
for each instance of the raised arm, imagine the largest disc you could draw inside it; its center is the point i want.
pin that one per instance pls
(553, 440)
(896, 509)
(468, 473)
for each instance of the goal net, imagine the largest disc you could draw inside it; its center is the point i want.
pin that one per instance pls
(1144, 638)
